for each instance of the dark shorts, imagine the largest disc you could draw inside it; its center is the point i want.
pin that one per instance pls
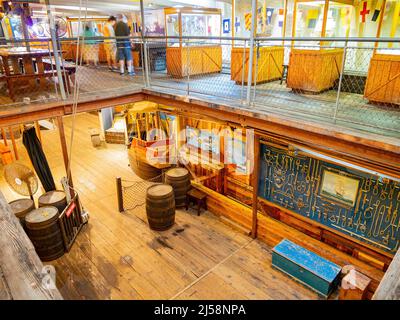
(124, 52)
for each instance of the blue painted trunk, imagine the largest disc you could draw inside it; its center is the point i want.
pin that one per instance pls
(306, 267)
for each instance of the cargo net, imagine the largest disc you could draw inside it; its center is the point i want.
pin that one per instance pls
(133, 193)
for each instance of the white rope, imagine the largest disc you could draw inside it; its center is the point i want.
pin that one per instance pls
(78, 63)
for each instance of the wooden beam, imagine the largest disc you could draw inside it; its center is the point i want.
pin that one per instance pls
(38, 133)
(64, 149)
(256, 169)
(13, 143)
(380, 21)
(21, 267)
(389, 287)
(3, 135)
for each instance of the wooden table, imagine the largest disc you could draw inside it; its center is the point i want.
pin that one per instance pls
(383, 80)
(314, 70)
(11, 58)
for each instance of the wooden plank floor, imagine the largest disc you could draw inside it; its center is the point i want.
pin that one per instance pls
(117, 256)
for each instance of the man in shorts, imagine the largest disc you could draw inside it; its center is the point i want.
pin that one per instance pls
(110, 45)
(124, 50)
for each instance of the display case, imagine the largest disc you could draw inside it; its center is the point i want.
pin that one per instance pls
(194, 56)
(270, 23)
(315, 66)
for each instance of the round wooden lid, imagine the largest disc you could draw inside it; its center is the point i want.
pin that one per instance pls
(43, 214)
(159, 190)
(52, 197)
(177, 172)
(20, 206)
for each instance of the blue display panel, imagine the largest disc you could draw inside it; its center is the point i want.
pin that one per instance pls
(353, 202)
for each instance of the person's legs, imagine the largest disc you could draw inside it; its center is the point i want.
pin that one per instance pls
(108, 50)
(129, 60)
(121, 59)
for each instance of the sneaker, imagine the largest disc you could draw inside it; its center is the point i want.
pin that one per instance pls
(132, 73)
(122, 74)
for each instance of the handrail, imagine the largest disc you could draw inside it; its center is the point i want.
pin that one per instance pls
(272, 39)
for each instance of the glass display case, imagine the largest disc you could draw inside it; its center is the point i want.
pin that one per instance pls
(204, 55)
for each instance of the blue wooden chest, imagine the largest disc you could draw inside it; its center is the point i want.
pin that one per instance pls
(306, 267)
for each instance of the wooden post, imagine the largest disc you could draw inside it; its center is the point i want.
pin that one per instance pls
(389, 287)
(119, 195)
(256, 169)
(13, 143)
(284, 19)
(294, 21)
(379, 28)
(3, 135)
(64, 149)
(37, 128)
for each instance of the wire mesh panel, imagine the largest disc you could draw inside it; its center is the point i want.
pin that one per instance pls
(28, 73)
(133, 193)
(216, 68)
(95, 65)
(369, 96)
(297, 80)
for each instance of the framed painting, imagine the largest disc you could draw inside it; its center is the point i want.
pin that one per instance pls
(339, 188)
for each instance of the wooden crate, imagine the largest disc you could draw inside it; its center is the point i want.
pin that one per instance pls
(354, 286)
(201, 60)
(269, 65)
(306, 267)
(314, 70)
(383, 80)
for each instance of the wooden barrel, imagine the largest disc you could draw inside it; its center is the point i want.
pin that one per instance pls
(141, 168)
(21, 208)
(160, 207)
(55, 198)
(43, 228)
(179, 179)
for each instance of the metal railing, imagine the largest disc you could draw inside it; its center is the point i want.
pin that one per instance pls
(330, 80)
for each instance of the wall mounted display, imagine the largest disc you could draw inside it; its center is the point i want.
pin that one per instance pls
(357, 204)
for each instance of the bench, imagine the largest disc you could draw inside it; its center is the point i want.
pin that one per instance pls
(306, 267)
(5, 152)
(198, 197)
(67, 68)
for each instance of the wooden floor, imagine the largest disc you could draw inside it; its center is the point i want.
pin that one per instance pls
(117, 256)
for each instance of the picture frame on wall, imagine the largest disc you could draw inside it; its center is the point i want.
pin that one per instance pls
(339, 187)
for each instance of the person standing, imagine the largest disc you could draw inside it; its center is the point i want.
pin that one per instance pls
(91, 46)
(110, 46)
(124, 50)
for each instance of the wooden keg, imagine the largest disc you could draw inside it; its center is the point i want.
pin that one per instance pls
(141, 168)
(43, 228)
(55, 198)
(179, 179)
(21, 208)
(160, 206)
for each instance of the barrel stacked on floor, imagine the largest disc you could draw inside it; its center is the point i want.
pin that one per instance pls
(42, 225)
(179, 179)
(160, 207)
(44, 231)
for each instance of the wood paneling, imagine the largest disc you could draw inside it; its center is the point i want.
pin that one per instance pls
(383, 80)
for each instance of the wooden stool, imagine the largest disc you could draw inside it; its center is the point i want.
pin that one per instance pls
(196, 196)
(354, 286)
(95, 137)
(284, 73)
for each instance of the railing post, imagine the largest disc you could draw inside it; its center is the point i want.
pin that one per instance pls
(55, 50)
(340, 82)
(243, 69)
(145, 52)
(119, 195)
(188, 66)
(251, 55)
(256, 70)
